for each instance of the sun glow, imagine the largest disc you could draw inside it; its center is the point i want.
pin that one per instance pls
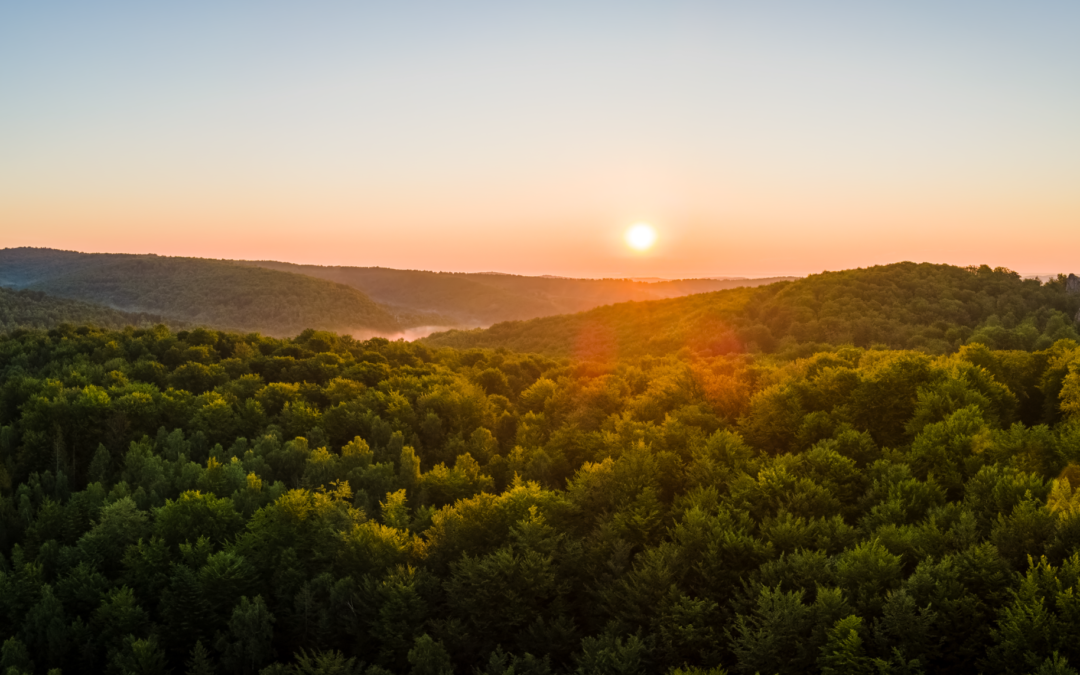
(641, 236)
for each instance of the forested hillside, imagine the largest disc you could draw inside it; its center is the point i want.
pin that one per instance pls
(204, 292)
(283, 299)
(34, 309)
(933, 308)
(214, 502)
(484, 299)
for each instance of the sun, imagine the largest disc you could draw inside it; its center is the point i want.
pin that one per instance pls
(641, 236)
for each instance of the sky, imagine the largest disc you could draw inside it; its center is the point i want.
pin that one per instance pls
(757, 138)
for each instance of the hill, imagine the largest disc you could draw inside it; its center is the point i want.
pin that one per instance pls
(205, 292)
(37, 310)
(482, 299)
(934, 308)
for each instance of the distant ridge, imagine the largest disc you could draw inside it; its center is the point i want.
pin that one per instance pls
(934, 308)
(205, 292)
(485, 298)
(282, 299)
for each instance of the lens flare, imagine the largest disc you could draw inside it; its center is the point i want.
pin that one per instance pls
(641, 236)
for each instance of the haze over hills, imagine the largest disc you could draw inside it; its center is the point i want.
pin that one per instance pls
(284, 299)
(481, 299)
(199, 291)
(935, 308)
(38, 310)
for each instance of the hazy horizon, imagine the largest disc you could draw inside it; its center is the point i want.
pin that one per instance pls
(1027, 274)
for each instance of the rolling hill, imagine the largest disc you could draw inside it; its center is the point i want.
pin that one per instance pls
(934, 308)
(280, 298)
(482, 299)
(213, 293)
(37, 310)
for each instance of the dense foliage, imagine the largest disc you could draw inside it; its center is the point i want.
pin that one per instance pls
(34, 309)
(481, 299)
(212, 502)
(211, 293)
(933, 308)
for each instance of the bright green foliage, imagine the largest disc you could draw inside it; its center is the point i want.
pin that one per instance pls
(329, 505)
(843, 652)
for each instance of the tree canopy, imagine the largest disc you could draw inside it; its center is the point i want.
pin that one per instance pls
(37, 310)
(203, 501)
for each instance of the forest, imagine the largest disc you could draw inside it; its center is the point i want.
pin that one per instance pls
(37, 310)
(903, 501)
(934, 308)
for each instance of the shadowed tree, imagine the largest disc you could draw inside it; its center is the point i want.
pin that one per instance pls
(249, 642)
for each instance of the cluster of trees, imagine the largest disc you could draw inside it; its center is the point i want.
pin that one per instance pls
(194, 291)
(199, 501)
(931, 308)
(37, 310)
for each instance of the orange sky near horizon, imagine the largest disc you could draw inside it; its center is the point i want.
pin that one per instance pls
(758, 142)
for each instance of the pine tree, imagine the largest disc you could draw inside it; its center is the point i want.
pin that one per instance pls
(843, 653)
(249, 643)
(142, 656)
(429, 657)
(15, 655)
(98, 472)
(200, 662)
(184, 611)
